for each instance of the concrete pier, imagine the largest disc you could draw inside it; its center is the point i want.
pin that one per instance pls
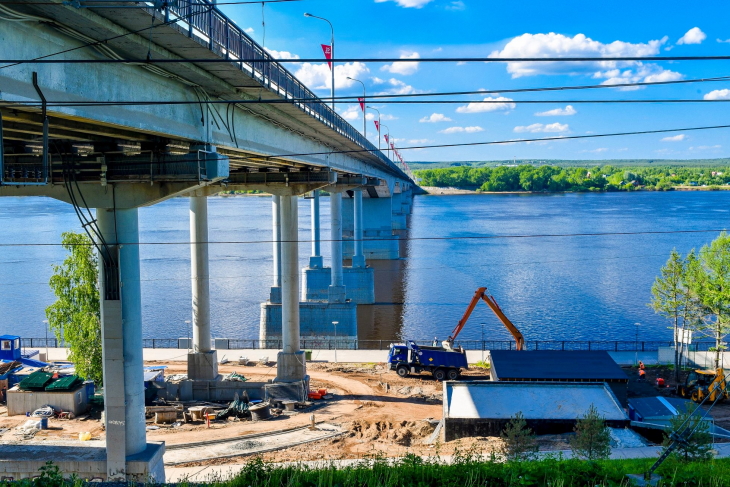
(121, 326)
(275, 294)
(291, 365)
(202, 362)
(359, 278)
(379, 241)
(337, 286)
(315, 277)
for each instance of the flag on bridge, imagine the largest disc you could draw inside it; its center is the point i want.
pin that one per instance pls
(386, 139)
(362, 103)
(377, 125)
(327, 49)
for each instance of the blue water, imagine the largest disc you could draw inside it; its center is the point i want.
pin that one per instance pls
(553, 288)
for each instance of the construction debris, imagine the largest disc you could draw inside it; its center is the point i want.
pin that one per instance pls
(239, 408)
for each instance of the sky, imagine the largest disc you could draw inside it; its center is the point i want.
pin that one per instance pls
(481, 28)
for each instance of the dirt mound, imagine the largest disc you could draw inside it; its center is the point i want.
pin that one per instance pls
(400, 432)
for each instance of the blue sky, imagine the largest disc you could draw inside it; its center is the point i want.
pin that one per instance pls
(446, 28)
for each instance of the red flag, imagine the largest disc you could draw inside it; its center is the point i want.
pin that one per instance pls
(362, 103)
(327, 49)
(386, 138)
(377, 125)
(392, 146)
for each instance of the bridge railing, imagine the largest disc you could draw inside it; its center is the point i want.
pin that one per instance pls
(347, 343)
(205, 22)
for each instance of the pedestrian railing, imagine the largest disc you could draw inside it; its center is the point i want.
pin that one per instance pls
(200, 19)
(356, 344)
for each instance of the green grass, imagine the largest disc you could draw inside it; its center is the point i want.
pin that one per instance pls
(412, 471)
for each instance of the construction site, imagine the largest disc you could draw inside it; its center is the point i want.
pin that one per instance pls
(428, 400)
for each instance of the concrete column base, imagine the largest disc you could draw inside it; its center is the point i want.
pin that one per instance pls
(275, 294)
(291, 367)
(315, 318)
(399, 221)
(316, 262)
(377, 245)
(360, 284)
(203, 365)
(337, 294)
(87, 462)
(316, 283)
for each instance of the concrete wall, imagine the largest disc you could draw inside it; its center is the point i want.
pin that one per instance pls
(315, 319)
(20, 402)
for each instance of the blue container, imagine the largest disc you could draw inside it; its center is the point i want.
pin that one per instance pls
(44, 423)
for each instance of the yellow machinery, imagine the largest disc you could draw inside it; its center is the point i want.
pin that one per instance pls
(702, 383)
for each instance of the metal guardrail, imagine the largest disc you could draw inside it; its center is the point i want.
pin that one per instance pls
(208, 24)
(344, 343)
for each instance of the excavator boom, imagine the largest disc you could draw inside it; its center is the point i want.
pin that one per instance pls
(481, 293)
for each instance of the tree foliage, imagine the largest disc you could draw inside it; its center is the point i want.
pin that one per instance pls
(75, 316)
(672, 299)
(592, 440)
(696, 444)
(546, 178)
(518, 441)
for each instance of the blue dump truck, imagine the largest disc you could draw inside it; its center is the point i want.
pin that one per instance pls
(442, 362)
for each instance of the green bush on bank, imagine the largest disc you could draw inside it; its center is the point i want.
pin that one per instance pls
(527, 177)
(412, 471)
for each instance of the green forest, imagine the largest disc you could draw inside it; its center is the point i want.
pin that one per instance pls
(527, 177)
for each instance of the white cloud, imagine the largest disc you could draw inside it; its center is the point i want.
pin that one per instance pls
(351, 113)
(456, 130)
(543, 128)
(674, 138)
(318, 76)
(249, 30)
(419, 141)
(488, 107)
(408, 3)
(558, 112)
(435, 118)
(597, 151)
(281, 54)
(383, 117)
(718, 95)
(403, 68)
(693, 36)
(456, 5)
(558, 45)
(726, 40)
(398, 88)
(706, 147)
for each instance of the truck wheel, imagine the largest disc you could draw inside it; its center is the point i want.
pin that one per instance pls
(453, 374)
(402, 370)
(439, 374)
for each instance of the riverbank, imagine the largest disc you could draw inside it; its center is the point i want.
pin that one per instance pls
(450, 191)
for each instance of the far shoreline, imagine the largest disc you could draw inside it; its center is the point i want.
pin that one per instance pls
(450, 191)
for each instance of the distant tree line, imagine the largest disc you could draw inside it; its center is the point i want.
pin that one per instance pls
(527, 177)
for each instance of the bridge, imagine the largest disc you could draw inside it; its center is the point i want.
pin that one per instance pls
(160, 100)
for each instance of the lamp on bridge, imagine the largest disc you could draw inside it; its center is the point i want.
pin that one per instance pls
(371, 108)
(332, 54)
(362, 104)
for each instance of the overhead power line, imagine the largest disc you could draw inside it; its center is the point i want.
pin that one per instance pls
(387, 102)
(368, 60)
(85, 3)
(462, 237)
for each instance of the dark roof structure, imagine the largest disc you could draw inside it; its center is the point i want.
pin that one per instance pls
(556, 365)
(656, 407)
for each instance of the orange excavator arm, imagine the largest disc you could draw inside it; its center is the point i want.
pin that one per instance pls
(481, 293)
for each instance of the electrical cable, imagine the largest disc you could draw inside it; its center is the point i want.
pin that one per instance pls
(370, 60)
(140, 1)
(289, 101)
(407, 239)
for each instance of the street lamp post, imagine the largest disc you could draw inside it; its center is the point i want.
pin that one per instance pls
(636, 346)
(371, 108)
(364, 118)
(483, 324)
(332, 54)
(335, 323)
(46, 322)
(387, 147)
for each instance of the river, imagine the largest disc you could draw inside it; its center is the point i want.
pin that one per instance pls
(552, 287)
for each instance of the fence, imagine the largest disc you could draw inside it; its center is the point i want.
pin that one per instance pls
(352, 344)
(200, 19)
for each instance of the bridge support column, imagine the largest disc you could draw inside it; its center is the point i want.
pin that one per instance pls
(202, 361)
(379, 243)
(121, 329)
(337, 286)
(275, 294)
(359, 278)
(399, 218)
(315, 277)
